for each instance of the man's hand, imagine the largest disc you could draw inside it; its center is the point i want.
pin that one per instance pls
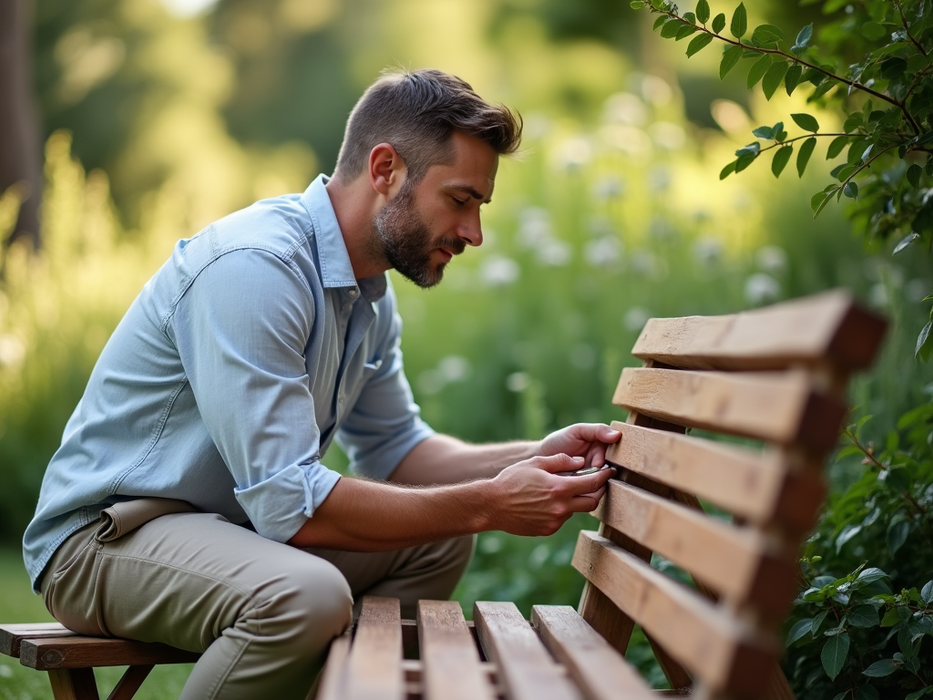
(536, 497)
(587, 440)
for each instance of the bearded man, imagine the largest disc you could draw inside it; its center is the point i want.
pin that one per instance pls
(188, 503)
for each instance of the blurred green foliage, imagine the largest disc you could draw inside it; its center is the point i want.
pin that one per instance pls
(612, 214)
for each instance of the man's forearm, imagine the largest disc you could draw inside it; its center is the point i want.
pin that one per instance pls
(442, 459)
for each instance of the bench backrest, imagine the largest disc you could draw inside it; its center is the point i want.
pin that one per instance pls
(774, 377)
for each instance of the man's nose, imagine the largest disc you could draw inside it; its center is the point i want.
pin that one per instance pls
(471, 231)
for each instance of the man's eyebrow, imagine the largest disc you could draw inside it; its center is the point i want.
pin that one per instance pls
(472, 192)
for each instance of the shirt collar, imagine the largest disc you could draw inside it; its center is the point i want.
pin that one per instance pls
(335, 268)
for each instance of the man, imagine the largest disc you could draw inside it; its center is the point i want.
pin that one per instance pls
(188, 503)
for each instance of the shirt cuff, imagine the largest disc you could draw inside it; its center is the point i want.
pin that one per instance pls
(280, 505)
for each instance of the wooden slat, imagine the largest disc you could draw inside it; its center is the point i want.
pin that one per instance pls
(526, 670)
(738, 563)
(450, 661)
(374, 668)
(12, 634)
(756, 486)
(780, 407)
(80, 652)
(807, 331)
(717, 648)
(334, 674)
(130, 682)
(598, 669)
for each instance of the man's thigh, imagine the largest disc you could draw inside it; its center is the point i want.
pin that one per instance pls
(181, 579)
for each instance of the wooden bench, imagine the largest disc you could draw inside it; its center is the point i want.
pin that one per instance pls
(774, 377)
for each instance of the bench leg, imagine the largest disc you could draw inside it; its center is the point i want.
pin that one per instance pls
(130, 682)
(73, 684)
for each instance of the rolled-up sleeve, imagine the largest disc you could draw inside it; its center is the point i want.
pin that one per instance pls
(385, 423)
(242, 345)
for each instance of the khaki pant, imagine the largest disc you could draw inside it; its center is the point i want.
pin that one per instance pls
(261, 612)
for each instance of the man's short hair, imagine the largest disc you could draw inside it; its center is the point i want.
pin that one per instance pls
(417, 113)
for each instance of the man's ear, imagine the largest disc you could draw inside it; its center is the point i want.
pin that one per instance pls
(387, 171)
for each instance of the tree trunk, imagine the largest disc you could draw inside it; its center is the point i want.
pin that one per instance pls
(20, 150)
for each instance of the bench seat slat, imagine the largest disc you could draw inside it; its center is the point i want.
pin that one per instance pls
(450, 660)
(778, 407)
(81, 652)
(374, 668)
(738, 563)
(809, 331)
(716, 646)
(599, 670)
(12, 634)
(526, 670)
(756, 486)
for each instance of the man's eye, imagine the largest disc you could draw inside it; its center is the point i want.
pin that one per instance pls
(458, 202)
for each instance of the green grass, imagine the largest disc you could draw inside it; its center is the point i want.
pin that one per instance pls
(19, 604)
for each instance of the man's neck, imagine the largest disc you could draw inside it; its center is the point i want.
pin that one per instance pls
(355, 207)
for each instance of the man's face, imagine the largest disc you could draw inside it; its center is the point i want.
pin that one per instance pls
(420, 229)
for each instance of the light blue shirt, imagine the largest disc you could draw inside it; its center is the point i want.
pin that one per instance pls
(246, 354)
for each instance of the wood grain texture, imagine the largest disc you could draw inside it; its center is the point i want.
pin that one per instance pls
(12, 634)
(130, 682)
(451, 667)
(598, 669)
(374, 667)
(808, 331)
(330, 686)
(764, 488)
(779, 407)
(526, 670)
(738, 563)
(82, 652)
(73, 684)
(714, 646)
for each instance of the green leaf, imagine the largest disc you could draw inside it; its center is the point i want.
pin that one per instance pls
(926, 593)
(659, 21)
(850, 189)
(699, 42)
(719, 22)
(817, 201)
(914, 172)
(744, 161)
(897, 535)
(638, 4)
(728, 170)
(767, 34)
(752, 149)
(800, 629)
(803, 39)
(917, 694)
(773, 78)
(730, 57)
(864, 616)
(764, 132)
(685, 31)
(873, 31)
(739, 24)
(803, 155)
(670, 28)
(834, 654)
(924, 344)
(806, 122)
(690, 17)
(703, 11)
(781, 157)
(882, 668)
(757, 71)
(792, 79)
(836, 146)
(906, 242)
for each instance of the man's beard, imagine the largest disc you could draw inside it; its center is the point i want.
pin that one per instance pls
(404, 241)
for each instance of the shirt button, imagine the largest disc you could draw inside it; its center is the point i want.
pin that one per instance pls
(354, 294)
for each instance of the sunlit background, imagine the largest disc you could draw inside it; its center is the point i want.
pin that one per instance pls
(158, 117)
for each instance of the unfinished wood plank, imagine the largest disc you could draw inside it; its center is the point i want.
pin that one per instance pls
(526, 670)
(738, 563)
(721, 650)
(760, 487)
(79, 652)
(598, 669)
(450, 661)
(12, 634)
(374, 667)
(828, 326)
(781, 407)
(330, 685)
